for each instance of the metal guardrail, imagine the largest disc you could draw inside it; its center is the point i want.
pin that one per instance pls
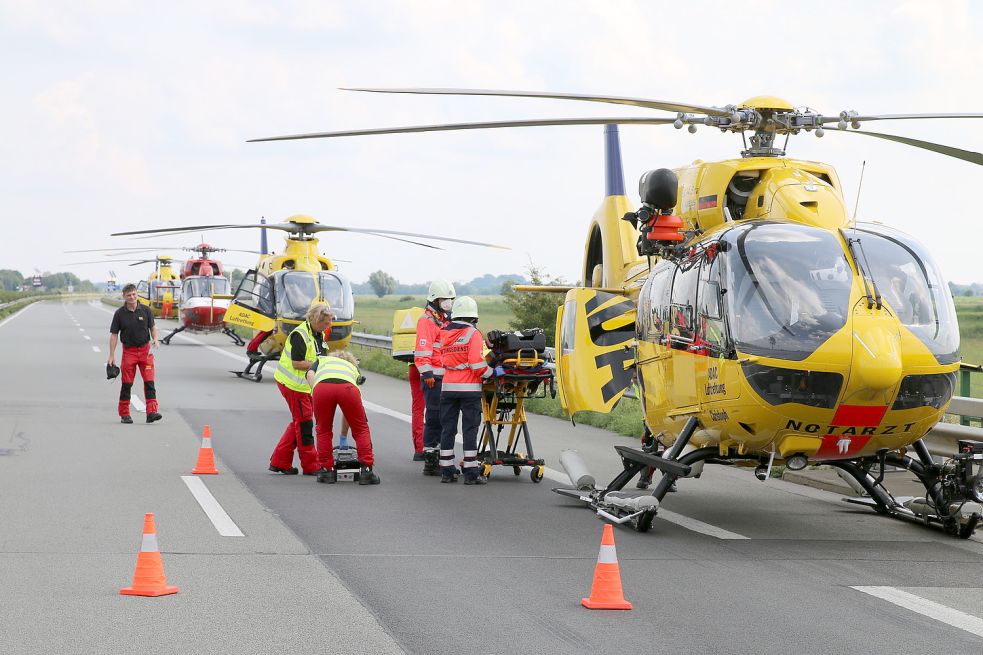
(19, 301)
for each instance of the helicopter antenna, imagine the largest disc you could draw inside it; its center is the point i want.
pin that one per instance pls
(860, 186)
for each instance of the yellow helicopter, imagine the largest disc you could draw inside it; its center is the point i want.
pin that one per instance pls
(161, 291)
(273, 298)
(763, 326)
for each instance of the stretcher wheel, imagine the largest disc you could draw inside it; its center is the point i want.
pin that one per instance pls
(517, 470)
(486, 470)
(536, 474)
(644, 522)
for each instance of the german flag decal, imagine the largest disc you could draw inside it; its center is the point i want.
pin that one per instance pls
(708, 202)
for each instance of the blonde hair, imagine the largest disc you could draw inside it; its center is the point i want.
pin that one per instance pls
(318, 312)
(345, 355)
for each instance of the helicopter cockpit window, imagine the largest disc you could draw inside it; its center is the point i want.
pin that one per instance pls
(653, 308)
(788, 288)
(337, 292)
(143, 289)
(912, 285)
(160, 288)
(256, 292)
(682, 310)
(204, 286)
(710, 324)
(295, 291)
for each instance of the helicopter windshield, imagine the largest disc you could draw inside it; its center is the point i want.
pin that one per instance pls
(204, 286)
(159, 288)
(336, 291)
(788, 288)
(295, 291)
(913, 287)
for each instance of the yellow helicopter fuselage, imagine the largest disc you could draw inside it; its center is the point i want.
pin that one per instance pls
(295, 279)
(159, 291)
(782, 327)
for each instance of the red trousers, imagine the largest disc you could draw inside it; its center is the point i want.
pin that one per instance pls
(299, 433)
(134, 358)
(329, 396)
(418, 403)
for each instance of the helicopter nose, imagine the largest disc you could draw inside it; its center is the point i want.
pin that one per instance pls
(876, 352)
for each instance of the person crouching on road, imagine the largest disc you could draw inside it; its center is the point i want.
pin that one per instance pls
(300, 351)
(427, 359)
(465, 367)
(133, 324)
(335, 379)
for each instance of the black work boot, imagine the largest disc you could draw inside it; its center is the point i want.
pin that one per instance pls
(645, 479)
(289, 471)
(367, 476)
(153, 416)
(430, 462)
(475, 479)
(126, 419)
(449, 474)
(327, 476)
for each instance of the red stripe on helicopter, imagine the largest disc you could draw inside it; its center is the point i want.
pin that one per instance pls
(859, 415)
(708, 202)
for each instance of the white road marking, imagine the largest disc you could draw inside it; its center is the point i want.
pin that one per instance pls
(215, 513)
(929, 608)
(561, 477)
(137, 402)
(16, 314)
(95, 349)
(81, 329)
(87, 337)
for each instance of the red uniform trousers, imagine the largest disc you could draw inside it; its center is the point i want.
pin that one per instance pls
(134, 358)
(327, 397)
(299, 433)
(418, 403)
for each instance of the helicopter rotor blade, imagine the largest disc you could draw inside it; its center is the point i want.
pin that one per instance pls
(950, 151)
(445, 127)
(386, 233)
(191, 228)
(898, 117)
(665, 105)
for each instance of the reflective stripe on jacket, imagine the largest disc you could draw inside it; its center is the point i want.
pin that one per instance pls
(428, 357)
(286, 374)
(335, 368)
(463, 360)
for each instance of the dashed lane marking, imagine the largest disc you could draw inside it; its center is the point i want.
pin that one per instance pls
(929, 608)
(138, 404)
(215, 513)
(95, 349)
(87, 337)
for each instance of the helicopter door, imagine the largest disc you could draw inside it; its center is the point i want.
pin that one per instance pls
(143, 291)
(594, 365)
(253, 304)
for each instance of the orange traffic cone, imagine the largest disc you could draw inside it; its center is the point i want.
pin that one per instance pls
(148, 578)
(206, 458)
(605, 592)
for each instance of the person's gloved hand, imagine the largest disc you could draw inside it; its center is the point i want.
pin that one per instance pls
(429, 382)
(499, 371)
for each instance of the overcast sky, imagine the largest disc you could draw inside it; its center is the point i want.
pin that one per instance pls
(130, 115)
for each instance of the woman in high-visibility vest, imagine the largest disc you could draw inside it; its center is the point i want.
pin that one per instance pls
(301, 349)
(334, 380)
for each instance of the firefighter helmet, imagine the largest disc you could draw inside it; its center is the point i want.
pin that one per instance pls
(465, 307)
(441, 289)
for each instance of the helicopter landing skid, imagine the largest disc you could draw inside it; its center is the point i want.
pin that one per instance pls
(257, 375)
(236, 339)
(942, 505)
(167, 340)
(638, 510)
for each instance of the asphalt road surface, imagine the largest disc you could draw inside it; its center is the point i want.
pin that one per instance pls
(731, 565)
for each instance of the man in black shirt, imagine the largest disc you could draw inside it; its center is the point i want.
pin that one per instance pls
(133, 324)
